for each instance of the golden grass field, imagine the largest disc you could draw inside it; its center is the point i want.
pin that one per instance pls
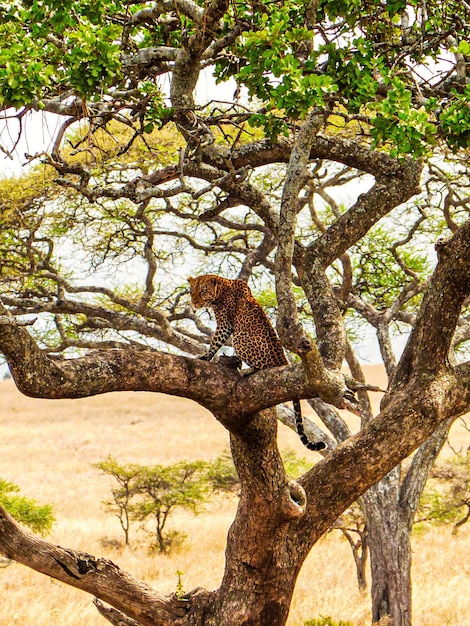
(48, 447)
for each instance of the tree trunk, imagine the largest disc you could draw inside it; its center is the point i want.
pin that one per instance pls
(390, 507)
(262, 562)
(390, 551)
(261, 565)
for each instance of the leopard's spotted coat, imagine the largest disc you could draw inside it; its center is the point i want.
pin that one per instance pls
(255, 342)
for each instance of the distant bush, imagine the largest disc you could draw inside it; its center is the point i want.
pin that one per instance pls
(153, 493)
(37, 517)
(446, 498)
(294, 465)
(326, 621)
(223, 475)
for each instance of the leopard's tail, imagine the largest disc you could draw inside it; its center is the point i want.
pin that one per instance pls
(299, 424)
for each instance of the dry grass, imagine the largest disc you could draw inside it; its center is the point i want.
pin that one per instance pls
(48, 448)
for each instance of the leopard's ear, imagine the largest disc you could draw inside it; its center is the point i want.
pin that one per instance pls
(191, 279)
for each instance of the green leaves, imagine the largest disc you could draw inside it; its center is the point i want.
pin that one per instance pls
(382, 269)
(46, 44)
(153, 493)
(398, 123)
(370, 62)
(272, 69)
(455, 119)
(21, 82)
(92, 61)
(37, 517)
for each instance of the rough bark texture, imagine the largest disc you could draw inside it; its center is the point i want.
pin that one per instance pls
(390, 506)
(390, 551)
(99, 577)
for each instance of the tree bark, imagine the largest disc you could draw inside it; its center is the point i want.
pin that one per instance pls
(260, 569)
(100, 577)
(390, 551)
(275, 526)
(390, 507)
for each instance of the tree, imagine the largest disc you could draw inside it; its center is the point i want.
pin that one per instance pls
(325, 92)
(126, 476)
(154, 492)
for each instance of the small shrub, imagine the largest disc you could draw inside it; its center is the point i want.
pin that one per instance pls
(151, 494)
(446, 498)
(222, 474)
(294, 465)
(26, 510)
(326, 621)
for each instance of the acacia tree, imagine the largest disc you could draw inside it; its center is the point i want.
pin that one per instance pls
(325, 91)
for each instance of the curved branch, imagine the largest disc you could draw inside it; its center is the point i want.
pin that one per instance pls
(388, 192)
(99, 577)
(351, 153)
(231, 398)
(412, 415)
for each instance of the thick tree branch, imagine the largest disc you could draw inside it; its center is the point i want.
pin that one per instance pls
(409, 419)
(231, 398)
(387, 193)
(289, 329)
(100, 577)
(350, 153)
(428, 346)
(418, 472)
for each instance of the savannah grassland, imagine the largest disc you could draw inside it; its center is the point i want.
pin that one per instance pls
(48, 447)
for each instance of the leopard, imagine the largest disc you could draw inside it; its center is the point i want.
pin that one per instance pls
(238, 314)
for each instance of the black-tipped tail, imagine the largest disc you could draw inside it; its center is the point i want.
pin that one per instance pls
(299, 424)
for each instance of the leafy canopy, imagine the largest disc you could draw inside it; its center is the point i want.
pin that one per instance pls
(392, 68)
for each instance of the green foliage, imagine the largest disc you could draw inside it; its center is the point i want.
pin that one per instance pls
(271, 70)
(294, 465)
(26, 510)
(326, 621)
(400, 123)
(30, 64)
(348, 57)
(127, 477)
(152, 494)
(455, 118)
(222, 475)
(278, 64)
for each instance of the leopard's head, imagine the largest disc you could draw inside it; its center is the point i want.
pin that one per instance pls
(204, 290)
